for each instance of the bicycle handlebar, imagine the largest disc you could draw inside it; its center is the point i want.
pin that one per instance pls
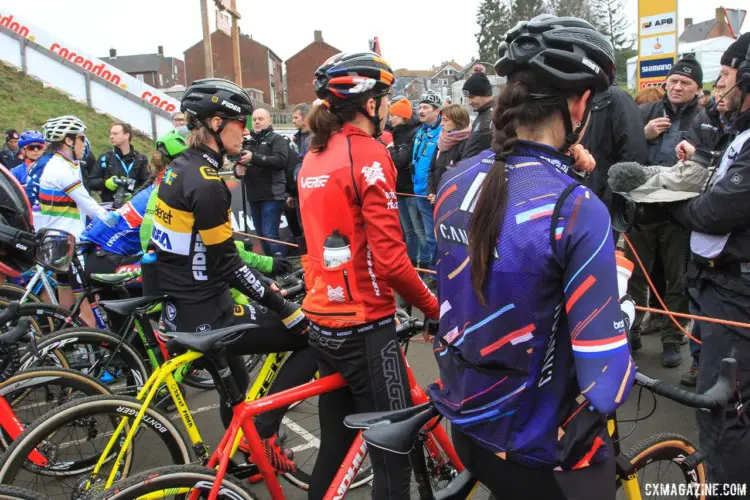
(409, 328)
(715, 399)
(9, 312)
(14, 334)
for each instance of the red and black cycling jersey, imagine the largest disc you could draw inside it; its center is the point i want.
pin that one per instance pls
(350, 187)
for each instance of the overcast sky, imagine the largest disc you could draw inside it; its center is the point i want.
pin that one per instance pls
(412, 33)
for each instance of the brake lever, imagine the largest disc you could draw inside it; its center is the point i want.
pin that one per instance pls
(33, 345)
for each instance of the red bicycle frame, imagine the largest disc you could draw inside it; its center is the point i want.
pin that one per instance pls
(13, 427)
(437, 438)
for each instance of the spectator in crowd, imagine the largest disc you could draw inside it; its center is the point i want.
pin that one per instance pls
(263, 169)
(614, 134)
(720, 245)
(423, 154)
(706, 99)
(710, 124)
(478, 92)
(405, 125)
(300, 143)
(121, 167)
(666, 124)
(9, 152)
(650, 94)
(178, 119)
(88, 163)
(452, 143)
(31, 146)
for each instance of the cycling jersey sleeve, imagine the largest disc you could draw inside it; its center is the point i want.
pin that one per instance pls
(604, 368)
(376, 184)
(73, 186)
(211, 201)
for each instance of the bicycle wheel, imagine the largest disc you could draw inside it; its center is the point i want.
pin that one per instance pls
(176, 482)
(33, 393)
(98, 353)
(14, 293)
(46, 318)
(74, 436)
(13, 493)
(201, 379)
(659, 460)
(301, 430)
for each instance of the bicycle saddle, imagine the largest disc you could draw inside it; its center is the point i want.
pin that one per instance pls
(112, 279)
(371, 419)
(125, 307)
(399, 437)
(205, 342)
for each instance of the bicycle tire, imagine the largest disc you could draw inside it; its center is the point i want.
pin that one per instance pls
(13, 493)
(47, 318)
(70, 477)
(17, 391)
(174, 477)
(81, 347)
(669, 448)
(192, 379)
(14, 293)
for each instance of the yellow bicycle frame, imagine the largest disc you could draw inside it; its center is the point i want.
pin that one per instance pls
(630, 483)
(165, 375)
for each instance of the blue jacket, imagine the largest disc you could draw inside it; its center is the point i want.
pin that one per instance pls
(124, 237)
(552, 326)
(425, 146)
(21, 173)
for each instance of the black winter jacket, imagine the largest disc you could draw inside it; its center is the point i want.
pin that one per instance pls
(723, 208)
(614, 134)
(265, 178)
(707, 129)
(682, 118)
(403, 143)
(481, 134)
(114, 164)
(444, 161)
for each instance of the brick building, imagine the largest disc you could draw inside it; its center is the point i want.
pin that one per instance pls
(152, 69)
(261, 67)
(301, 67)
(712, 28)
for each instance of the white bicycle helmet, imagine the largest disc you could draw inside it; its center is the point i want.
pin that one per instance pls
(56, 129)
(431, 97)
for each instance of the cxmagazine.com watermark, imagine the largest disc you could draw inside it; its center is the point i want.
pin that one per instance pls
(696, 490)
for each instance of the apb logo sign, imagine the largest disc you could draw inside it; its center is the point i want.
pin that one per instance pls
(660, 23)
(654, 68)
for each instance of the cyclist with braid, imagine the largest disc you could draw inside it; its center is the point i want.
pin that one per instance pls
(356, 256)
(532, 345)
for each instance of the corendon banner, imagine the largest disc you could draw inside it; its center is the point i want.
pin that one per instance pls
(91, 64)
(657, 40)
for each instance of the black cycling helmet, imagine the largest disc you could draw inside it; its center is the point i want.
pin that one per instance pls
(211, 97)
(17, 247)
(354, 78)
(567, 54)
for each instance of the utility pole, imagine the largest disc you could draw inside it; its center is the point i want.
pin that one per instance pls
(236, 43)
(208, 55)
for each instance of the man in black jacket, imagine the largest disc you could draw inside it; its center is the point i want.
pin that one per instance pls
(666, 123)
(405, 126)
(614, 134)
(121, 168)
(263, 166)
(710, 124)
(478, 92)
(720, 270)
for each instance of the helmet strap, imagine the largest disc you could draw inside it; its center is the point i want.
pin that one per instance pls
(572, 135)
(376, 118)
(217, 136)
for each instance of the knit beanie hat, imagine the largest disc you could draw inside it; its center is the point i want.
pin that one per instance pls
(737, 52)
(401, 108)
(688, 66)
(478, 84)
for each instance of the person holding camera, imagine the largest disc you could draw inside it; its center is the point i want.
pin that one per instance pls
(122, 169)
(719, 221)
(263, 170)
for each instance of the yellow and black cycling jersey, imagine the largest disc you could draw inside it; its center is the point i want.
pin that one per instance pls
(192, 235)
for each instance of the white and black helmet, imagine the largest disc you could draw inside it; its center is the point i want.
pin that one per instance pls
(431, 97)
(56, 129)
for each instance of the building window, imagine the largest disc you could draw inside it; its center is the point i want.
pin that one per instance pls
(271, 66)
(139, 76)
(161, 80)
(449, 71)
